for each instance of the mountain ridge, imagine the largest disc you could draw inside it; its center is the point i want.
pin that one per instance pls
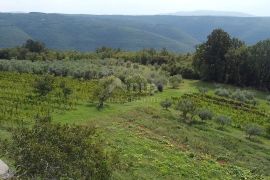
(88, 32)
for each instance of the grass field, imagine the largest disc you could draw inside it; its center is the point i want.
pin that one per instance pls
(153, 144)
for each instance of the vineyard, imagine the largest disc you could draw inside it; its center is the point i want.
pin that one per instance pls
(241, 113)
(20, 104)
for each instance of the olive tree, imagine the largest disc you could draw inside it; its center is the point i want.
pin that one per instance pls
(105, 89)
(188, 109)
(253, 130)
(175, 81)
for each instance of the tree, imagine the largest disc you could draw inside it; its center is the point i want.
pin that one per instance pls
(253, 130)
(223, 121)
(166, 104)
(53, 151)
(205, 114)
(175, 81)
(105, 89)
(210, 59)
(187, 107)
(34, 46)
(44, 85)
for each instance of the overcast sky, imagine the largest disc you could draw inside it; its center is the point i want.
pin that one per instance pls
(135, 7)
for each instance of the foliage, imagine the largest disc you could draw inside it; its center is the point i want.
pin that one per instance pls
(228, 60)
(205, 114)
(105, 90)
(166, 104)
(223, 120)
(175, 81)
(210, 59)
(253, 130)
(53, 151)
(203, 90)
(43, 85)
(222, 92)
(187, 107)
(268, 99)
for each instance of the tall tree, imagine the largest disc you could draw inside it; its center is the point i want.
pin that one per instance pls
(210, 56)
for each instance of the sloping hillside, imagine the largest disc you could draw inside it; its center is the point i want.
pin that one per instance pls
(87, 32)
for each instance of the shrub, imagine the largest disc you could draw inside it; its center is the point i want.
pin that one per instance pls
(166, 104)
(268, 99)
(244, 96)
(203, 90)
(160, 87)
(187, 107)
(223, 121)
(205, 114)
(253, 130)
(222, 92)
(44, 85)
(53, 151)
(175, 81)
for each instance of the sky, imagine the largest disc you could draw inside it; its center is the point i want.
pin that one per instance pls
(134, 7)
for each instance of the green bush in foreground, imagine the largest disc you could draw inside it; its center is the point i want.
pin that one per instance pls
(52, 151)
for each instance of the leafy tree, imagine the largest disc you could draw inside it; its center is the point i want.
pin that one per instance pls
(188, 108)
(44, 85)
(253, 130)
(105, 89)
(136, 82)
(175, 81)
(34, 46)
(53, 151)
(210, 59)
(166, 104)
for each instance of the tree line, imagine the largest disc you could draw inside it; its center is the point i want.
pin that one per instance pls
(221, 58)
(228, 60)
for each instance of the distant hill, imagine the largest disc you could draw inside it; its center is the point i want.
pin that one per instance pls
(87, 32)
(211, 13)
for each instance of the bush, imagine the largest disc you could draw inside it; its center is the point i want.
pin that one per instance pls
(253, 130)
(187, 107)
(268, 99)
(44, 85)
(160, 87)
(53, 151)
(175, 81)
(223, 121)
(244, 96)
(222, 92)
(203, 90)
(205, 114)
(166, 104)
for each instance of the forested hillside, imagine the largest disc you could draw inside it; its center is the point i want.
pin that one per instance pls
(88, 32)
